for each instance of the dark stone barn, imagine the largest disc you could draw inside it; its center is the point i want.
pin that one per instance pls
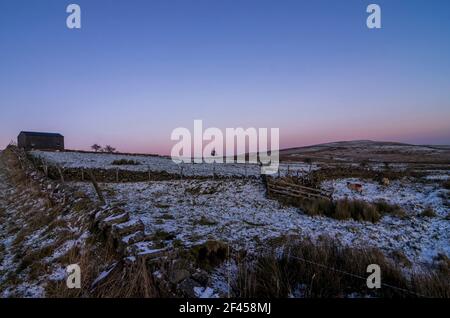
(40, 140)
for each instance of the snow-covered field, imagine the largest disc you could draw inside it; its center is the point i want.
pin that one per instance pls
(237, 211)
(158, 164)
(189, 212)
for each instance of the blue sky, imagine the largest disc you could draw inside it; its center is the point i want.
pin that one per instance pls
(138, 69)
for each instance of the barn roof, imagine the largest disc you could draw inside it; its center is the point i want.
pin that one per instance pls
(40, 134)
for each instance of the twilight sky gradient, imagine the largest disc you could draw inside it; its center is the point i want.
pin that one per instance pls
(138, 69)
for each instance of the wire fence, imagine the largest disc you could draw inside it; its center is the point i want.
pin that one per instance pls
(356, 276)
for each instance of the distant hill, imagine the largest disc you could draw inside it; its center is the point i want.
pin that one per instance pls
(368, 150)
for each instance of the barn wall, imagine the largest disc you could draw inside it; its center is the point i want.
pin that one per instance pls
(41, 142)
(21, 141)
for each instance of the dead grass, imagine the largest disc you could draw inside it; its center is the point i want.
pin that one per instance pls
(362, 173)
(161, 235)
(392, 209)
(132, 281)
(357, 210)
(209, 254)
(34, 258)
(346, 209)
(161, 205)
(2, 250)
(125, 162)
(90, 260)
(428, 213)
(201, 190)
(446, 184)
(317, 270)
(124, 280)
(400, 258)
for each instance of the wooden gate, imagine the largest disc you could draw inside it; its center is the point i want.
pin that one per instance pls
(284, 188)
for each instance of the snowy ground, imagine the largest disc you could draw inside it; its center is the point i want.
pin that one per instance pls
(238, 212)
(414, 197)
(158, 164)
(20, 209)
(190, 212)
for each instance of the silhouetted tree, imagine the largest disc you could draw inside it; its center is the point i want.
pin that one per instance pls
(109, 149)
(96, 147)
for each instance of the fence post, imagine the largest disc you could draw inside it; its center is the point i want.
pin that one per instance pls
(82, 174)
(117, 175)
(96, 187)
(148, 170)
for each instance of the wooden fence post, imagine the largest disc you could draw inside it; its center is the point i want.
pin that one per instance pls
(148, 170)
(82, 174)
(96, 187)
(117, 175)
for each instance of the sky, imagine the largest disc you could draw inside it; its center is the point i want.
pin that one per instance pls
(136, 70)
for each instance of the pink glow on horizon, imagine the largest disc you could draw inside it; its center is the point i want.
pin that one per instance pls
(395, 134)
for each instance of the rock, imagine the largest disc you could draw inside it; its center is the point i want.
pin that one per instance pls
(178, 275)
(186, 287)
(146, 250)
(133, 238)
(123, 229)
(129, 260)
(211, 253)
(201, 276)
(114, 219)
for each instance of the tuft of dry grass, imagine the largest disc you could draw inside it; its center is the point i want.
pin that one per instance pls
(392, 209)
(161, 235)
(428, 213)
(357, 210)
(124, 280)
(322, 270)
(125, 162)
(400, 258)
(344, 209)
